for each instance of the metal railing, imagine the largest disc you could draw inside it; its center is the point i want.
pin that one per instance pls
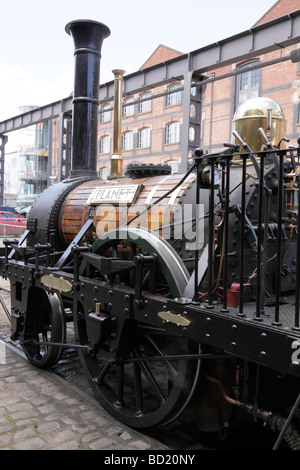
(10, 231)
(267, 207)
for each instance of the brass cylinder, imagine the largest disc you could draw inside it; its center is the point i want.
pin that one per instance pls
(116, 164)
(255, 113)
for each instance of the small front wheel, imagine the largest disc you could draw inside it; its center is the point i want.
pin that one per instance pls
(45, 322)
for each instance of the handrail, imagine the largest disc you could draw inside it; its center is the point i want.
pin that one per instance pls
(270, 205)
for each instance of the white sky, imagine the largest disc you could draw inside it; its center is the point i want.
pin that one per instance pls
(36, 58)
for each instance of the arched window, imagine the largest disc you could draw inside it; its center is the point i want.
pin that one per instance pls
(104, 144)
(247, 82)
(172, 133)
(145, 106)
(128, 110)
(144, 138)
(127, 140)
(105, 116)
(174, 98)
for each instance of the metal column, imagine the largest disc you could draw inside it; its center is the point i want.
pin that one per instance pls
(3, 141)
(190, 129)
(64, 145)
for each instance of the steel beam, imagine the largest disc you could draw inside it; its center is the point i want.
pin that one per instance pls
(275, 35)
(35, 116)
(3, 141)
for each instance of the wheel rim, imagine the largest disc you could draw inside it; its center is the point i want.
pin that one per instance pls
(172, 266)
(139, 392)
(47, 325)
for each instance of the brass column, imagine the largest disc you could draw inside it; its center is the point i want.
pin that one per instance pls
(116, 164)
(269, 124)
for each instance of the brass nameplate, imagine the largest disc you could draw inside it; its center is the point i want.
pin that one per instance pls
(113, 194)
(57, 283)
(177, 319)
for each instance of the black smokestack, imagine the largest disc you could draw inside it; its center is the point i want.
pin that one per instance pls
(88, 37)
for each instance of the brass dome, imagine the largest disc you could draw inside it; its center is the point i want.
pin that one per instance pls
(256, 113)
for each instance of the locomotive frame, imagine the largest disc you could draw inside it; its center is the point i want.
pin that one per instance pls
(174, 335)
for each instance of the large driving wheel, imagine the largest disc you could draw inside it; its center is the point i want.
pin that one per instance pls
(45, 323)
(139, 392)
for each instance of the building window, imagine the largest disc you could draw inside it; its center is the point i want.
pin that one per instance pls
(191, 134)
(127, 140)
(128, 110)
(172, 133)
(174, 98)
(145, 106)
(105, 116)
(144, 138)
(194, 90)
(104, 144)
(248, 83)
(192, 111)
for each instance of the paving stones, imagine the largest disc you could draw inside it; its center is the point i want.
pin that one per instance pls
(39, 412)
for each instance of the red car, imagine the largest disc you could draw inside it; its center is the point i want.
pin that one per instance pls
(11, 224)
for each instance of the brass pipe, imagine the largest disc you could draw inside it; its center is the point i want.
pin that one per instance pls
(230, 400)
(269, 124)
(116, 163)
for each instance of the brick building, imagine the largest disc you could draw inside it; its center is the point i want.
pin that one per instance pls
(279, 81)
(152, 128)
(177, 101)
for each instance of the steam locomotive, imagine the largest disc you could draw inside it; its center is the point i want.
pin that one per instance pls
(183, 289)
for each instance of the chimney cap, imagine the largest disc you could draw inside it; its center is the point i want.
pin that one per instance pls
(86, 22)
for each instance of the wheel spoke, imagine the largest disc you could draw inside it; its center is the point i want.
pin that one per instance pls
(120, 381)
(45, 339)
(151, 379)
(103, 373)
(138, 389)
(166, 363)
